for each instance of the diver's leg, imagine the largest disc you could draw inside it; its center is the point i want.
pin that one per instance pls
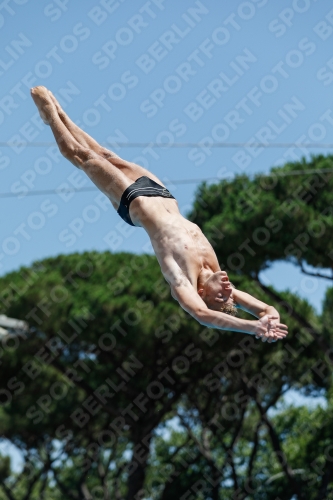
(80, 135)
(107, 177)
(131, 170)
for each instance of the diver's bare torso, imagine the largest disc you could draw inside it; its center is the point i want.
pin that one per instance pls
(181, 248)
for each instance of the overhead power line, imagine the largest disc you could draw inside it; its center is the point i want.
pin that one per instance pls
(176, 145)
(169, 182)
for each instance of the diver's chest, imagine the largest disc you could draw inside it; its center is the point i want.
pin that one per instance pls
(195, 245)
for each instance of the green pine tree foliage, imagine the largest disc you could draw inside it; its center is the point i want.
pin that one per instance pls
(110, 361)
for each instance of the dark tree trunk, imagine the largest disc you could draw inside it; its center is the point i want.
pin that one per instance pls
(138, 464)
(322, 492)
(136, 481)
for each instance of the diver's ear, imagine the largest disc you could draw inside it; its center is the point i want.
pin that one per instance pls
(200, 292)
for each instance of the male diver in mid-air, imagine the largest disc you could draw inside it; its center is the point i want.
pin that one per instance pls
(187, 259)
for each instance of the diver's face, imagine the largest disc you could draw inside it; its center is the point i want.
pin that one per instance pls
(217, 290)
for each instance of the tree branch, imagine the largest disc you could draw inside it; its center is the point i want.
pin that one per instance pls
(116, 481)
(315, 274)
(253, 455)
(230, 449)
(233, 470)
(43, 487)
(165, 493)
(44, 470)
(326, 479)
(7, 491)
(85, 491)
(63, 488)
(205, 452)
(282, 459)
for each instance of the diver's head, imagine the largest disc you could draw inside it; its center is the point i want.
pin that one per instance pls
(217, 294)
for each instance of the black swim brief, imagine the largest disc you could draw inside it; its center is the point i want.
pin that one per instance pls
(141, 187)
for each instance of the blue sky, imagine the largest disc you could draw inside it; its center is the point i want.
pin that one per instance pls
(155, 71)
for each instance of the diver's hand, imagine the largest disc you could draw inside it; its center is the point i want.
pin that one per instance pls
(226, 286)
(269, 329)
